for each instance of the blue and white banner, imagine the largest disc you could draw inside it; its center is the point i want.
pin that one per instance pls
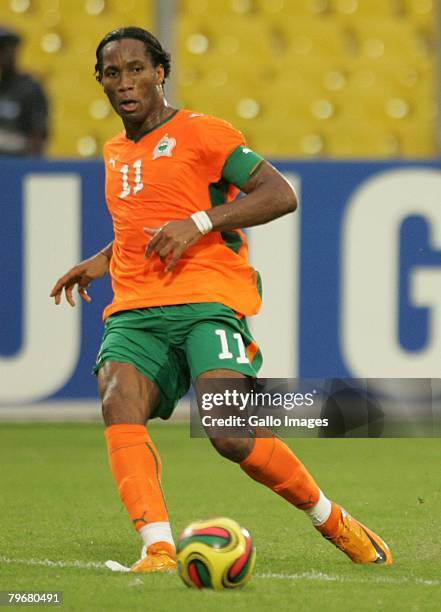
(353, 279)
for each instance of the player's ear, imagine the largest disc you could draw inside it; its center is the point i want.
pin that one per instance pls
(159, 74)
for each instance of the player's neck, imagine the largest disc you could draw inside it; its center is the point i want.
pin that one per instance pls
(158, 114)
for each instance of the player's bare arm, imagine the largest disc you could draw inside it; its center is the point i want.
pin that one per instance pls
(81, 276)
(269, 196)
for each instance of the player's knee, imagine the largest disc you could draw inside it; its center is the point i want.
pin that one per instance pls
(127, 396)
(117, 407)
(112, 402)
(234, 449)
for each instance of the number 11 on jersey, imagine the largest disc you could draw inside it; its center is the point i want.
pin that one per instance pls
(127, 189)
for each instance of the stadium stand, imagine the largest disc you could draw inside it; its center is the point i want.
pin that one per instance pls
(300, 78)
(305, 78)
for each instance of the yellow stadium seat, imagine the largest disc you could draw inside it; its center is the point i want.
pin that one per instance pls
(233, 77)
(393, 41)
(358, 139)
(300, 9)
(133, 12)
(314, 38)
(292, 139)
(66, 134)
(414, 12)
(226, 40)
(413, 78)
(360, 9)
(421, 12)
(231, 8)
(221, 8)
(419, 139)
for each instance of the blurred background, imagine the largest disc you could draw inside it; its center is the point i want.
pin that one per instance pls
(342, 95)
(308, 78)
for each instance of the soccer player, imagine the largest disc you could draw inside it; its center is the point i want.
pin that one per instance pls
(182, 288)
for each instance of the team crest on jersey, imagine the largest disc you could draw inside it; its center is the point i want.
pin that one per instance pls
(164, 147)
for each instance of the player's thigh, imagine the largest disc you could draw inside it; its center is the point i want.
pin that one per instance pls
(221, 383)
(132, 362)
(128, 396)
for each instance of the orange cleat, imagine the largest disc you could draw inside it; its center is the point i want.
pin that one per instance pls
(358, 542)
(161, 557)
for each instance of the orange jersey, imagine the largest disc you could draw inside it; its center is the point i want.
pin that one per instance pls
(189, 162)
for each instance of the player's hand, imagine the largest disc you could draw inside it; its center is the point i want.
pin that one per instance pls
(81, 276)
(171, 240)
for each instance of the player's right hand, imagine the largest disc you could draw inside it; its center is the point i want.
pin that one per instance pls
(81, 276)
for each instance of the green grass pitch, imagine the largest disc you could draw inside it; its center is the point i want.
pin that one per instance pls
(61, 518)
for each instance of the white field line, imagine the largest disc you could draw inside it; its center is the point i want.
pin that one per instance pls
(48, 563)
(319, 576)
(312, 576)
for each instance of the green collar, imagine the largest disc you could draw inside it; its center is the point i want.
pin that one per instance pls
(154, 127)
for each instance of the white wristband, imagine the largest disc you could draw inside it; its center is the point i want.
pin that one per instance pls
(202, 221)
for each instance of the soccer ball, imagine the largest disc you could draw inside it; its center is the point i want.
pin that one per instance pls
(215, 554)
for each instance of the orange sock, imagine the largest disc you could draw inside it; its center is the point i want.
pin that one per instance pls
(330, 527)
(273, 464)
(136, 468)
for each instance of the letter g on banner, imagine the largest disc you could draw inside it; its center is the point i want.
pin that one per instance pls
(370, 275)
(51, 336)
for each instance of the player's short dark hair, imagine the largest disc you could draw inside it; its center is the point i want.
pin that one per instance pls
(156, 52)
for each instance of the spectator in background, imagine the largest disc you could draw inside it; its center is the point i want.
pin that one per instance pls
(23, 104)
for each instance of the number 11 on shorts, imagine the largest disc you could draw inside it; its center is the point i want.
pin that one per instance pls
(225, 351)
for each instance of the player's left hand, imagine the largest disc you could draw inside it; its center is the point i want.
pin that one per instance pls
(171, 240)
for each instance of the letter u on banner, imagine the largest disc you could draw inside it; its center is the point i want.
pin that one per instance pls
(51, 335)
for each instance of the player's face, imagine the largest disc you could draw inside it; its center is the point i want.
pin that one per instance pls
(130, 80)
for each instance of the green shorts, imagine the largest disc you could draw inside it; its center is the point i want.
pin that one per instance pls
(172, 345)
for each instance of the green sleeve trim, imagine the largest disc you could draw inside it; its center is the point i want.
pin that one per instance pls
(241, 165)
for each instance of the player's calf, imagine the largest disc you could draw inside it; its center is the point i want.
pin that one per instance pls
(234, 449)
